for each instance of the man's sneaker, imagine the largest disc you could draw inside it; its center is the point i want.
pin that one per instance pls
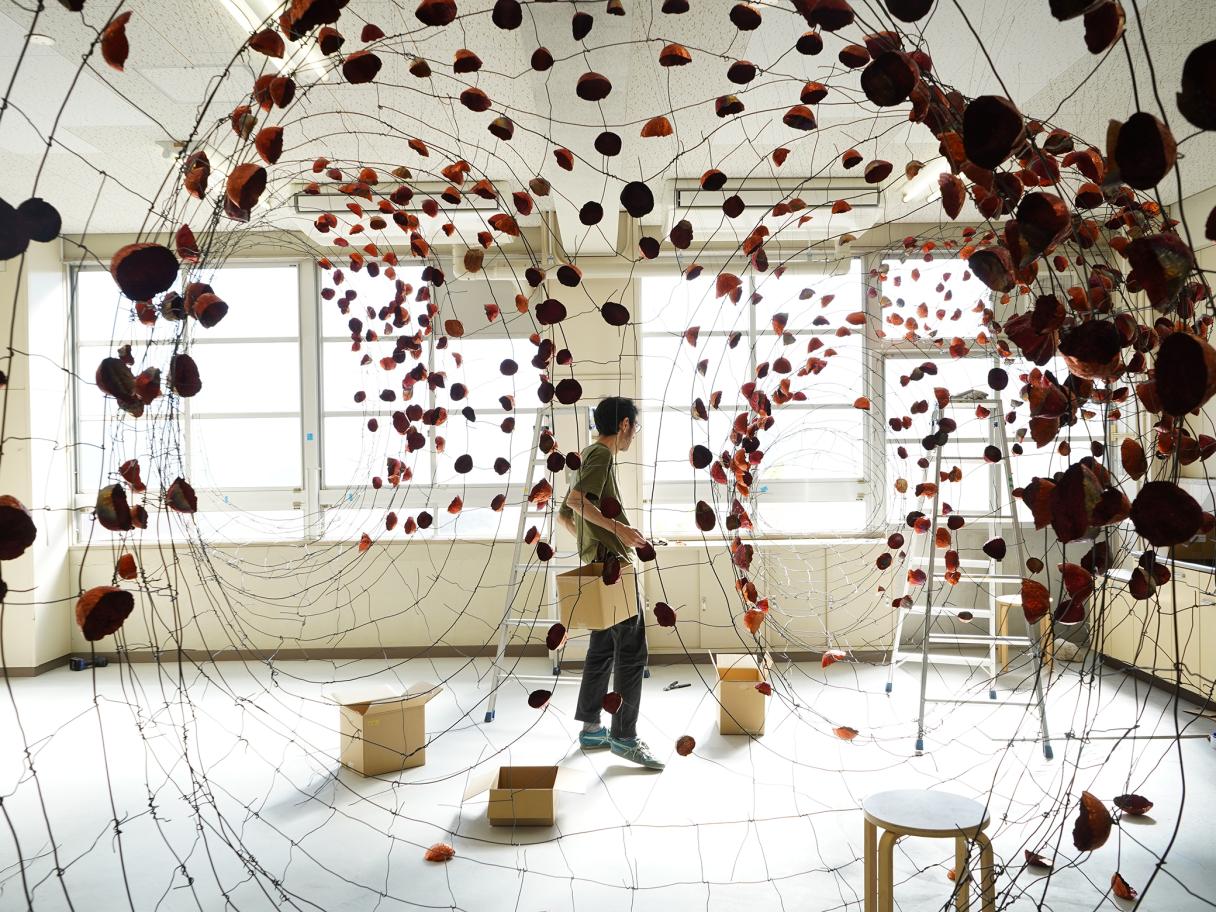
(635, 751)
(593, 740)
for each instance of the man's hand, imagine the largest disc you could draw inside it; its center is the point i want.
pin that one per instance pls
(628, 535)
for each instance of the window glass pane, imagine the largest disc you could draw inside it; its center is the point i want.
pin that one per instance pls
(672, 305)
(247, 377)
(263, 301)
(480, 372)
(102, 313)
(669, 434)
(812, 443)
(796, 518)
(840, 374)
(956, 375)
(474, 521)
(238, 525)
(352, 454)
(669, 366)
(485, 441)
(102, 446)
(830, 296)
(933, 293)
(245, 453)
(374, 292)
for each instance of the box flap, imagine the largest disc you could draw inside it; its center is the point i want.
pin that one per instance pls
(568, 780)
(736, 667)
(361, 697)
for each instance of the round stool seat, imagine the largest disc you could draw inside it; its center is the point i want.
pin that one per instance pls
(917, 812)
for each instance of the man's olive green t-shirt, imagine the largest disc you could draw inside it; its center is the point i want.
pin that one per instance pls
(597, 481)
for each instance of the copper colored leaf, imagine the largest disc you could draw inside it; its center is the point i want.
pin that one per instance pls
(126, 568)
(144, 270)
(664, 614)
(1035, 860)
(17, 529)
(114, 45)
(753, 619)
(993, 129)
(1186, 373)
(538, 698)
(180, 497)
(1092, 826)
(685, 745)
(1164, 514)
(102, 610)
(1197, 99)
(612, 702)
(1073, 501)
(440, 851)
(1136, 805)
(112, 510)
(1036, 601)
(705, 517)
(1131, 453)
(1104, 26)
(1120, 887)
(845, 733)
(1144, 151)
(954, 194)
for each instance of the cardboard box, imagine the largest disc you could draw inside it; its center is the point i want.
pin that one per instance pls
(382, 727)
(742, 706)
(585, 603)
(524, 795)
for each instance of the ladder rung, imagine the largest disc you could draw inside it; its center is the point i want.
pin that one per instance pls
(943, 659)
(966, 562)
(951, 610)
(531, 622)
(977, 639)
(980, 702)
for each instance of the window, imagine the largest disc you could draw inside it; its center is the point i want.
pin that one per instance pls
(363, 390)
(912, 371)
(250, 404)
(699, 347)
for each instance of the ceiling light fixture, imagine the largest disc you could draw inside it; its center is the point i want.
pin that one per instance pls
(43, 40)
(252, 15)
(924, 185)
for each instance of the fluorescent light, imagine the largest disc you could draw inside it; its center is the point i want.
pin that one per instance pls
(43, 40)
(252, 14)
(924, 185)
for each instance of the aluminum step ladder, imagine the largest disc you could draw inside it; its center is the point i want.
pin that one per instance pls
(984, 573)
(515, 617)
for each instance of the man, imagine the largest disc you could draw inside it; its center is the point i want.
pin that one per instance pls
(620, 649)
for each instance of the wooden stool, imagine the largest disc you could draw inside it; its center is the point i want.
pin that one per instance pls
(937, 815)
(1047, 641)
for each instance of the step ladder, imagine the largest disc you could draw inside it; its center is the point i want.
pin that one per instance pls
(515, 617)
(986, 574)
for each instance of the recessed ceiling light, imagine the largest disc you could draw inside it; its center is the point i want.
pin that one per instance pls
(44, 40)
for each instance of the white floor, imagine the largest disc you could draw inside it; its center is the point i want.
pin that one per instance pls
(235, 794)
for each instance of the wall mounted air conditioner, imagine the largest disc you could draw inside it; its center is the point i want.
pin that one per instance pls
(469, 217)
(703, 209)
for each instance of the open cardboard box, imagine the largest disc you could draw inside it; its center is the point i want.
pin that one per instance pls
(524, 795)
(382, 727)
(742, 706)
(587, 604)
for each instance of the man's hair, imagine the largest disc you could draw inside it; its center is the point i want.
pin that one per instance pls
(611, 412)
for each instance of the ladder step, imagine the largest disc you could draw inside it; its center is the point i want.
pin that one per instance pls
(944, 659)
(977, 614)
(966, 562)
(979, 702)
(531, 622)
(977, 639)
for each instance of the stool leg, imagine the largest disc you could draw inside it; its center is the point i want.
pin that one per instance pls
(871, 865)
(962, 878)
(886, 872)
(987, 873)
